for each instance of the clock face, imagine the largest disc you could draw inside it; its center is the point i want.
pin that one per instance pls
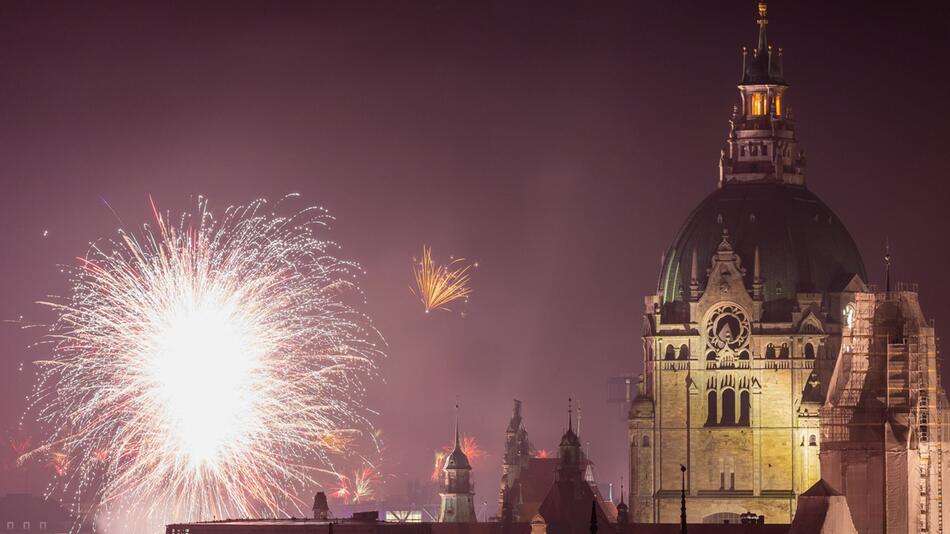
(727, 327)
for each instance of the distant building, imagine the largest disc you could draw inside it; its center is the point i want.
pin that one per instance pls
(554, 494)
(458, 492)
(22, 513)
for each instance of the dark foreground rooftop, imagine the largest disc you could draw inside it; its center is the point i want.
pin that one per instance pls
(346, 526)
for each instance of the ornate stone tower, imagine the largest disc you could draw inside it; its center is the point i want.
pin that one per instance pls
(741, 337)
(458, 492)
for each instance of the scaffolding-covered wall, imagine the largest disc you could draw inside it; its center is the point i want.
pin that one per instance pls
(884, 422)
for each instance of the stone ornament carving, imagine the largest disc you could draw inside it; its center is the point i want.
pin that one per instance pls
(727, 330)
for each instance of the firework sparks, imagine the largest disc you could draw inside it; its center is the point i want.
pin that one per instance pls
(439, 464)
(439, 285)
(542, 454)
(198, 368)
(358, 488)
(59, 463)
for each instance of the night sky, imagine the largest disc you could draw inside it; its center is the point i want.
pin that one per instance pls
(560, 145)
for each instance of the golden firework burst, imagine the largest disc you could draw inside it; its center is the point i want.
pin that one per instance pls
(439, 285)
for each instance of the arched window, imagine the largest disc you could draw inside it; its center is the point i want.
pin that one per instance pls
(758, 103)
(745, 406)
(770, 352)
(728, 408)
(744, 355)
(778, 105)
(711, 406)
(710, 355)
(684, 352)
(809, 351)
(670, 353)
(784, 352)
(812, 441)
(645, 442)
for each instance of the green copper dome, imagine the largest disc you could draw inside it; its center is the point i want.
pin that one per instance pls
(803, 246)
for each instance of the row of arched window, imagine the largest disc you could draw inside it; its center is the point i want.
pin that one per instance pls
(771, 352)
(723, 413)
(672, 355)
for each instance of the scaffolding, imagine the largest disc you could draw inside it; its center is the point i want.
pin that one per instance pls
(885, 401)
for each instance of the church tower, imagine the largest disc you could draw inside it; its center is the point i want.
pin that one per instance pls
(458, 492)
(741, 337)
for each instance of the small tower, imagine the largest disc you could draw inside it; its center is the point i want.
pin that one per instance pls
(570, 465)
(623, 512)
(762, 144)
(321, 510)
(458, 493)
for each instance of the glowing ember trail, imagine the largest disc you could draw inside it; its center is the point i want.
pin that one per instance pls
(208, 368)
(439, 285)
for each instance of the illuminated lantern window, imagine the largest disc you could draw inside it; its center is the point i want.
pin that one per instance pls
(778, 105)
(758, 103)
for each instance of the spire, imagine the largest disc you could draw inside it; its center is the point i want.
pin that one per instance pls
(570, 417)
(757, 285)
(763, 45)
(578, 418)
(887, 265)
(694, 293)
(458, 442)
(457, 458)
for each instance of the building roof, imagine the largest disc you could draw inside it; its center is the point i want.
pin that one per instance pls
(803, 246)
(570, 439)
(821, 489)
(763, 67)
(310, 526)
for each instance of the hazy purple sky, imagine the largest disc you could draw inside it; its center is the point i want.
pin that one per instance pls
(559, 144)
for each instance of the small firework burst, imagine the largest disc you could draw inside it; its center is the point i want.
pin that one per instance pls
(439, 285)
(541, 453)
(59, 463)
(360, 487)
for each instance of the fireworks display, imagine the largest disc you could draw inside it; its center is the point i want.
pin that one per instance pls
(439, 285)
(207, 367)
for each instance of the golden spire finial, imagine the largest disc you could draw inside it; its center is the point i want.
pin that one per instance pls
(763, 9)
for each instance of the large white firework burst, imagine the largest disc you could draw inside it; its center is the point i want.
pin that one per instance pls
(199, 366)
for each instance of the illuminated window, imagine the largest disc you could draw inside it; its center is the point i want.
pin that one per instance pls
(758, 103)
(812, 441)
(778, 105)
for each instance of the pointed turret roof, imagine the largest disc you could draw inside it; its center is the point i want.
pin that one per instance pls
(765, 66)
(457, 458)
(570, 439)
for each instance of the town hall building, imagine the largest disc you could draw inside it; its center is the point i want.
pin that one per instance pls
(769, 362)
